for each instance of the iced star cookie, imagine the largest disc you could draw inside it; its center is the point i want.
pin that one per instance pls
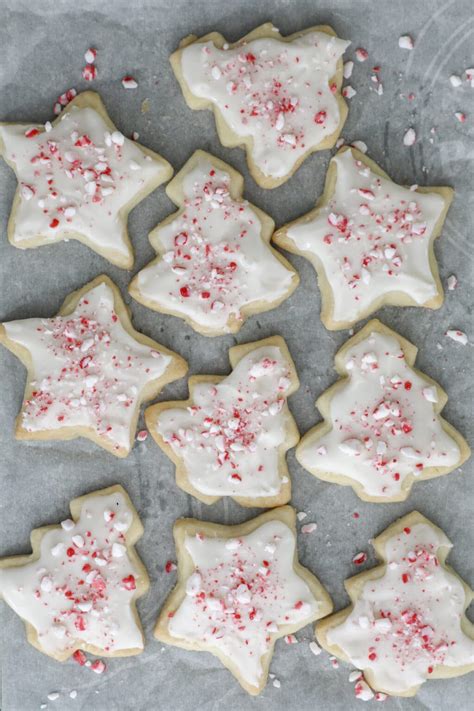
(382, 430)
(88, 369)
(370, 241)
(240, 588)
(216, 266)
(78, 178)
(231, 437)
(406, 622)
(278, 97)
(78, 588)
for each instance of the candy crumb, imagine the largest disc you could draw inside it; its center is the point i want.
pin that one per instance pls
(142, 435)
(461, 117)
(90, 55)
(409, 138)
(291, 639)
(276, 683)
(347, 71)
(301, 515)
(98, 666)
(334, 662)
(452, 282)
(363, 691)
(359, 558)
(361, 54)
(455, 80)
(380, 696)
(360, 145)
(309, 528)
(53, 696)
(128, 82)
(315, 648)
(348, 92)
(73, 694)
(355, 676)
(170, 566)
(405, 42)
(458, 336)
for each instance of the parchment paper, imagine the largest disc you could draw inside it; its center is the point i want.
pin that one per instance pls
(42, 47)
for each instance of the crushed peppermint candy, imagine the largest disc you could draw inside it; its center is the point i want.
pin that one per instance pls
(361, 54)
(409, 138)
(406, 42)
(360, 558)
(170, 566)
(309, 528)
(89, 72)
(301, 515)
(90, 55)
(461, 117)
(348, 92)
(128, 82)
(347, 70)
(456, 335)
(452, 282)
(315, 649)
(53, 696)
(291, 639)
(455, 80)
(142, 435)
(355, 676)
(363, 691)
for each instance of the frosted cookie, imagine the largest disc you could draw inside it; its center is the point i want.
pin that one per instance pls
(78, 178)
(78, 588)
(278, 97)
(88, 369)
(231, 437)
(216, 266)
(406, 622)
(382, 430)
(240, 588)
(370, 241)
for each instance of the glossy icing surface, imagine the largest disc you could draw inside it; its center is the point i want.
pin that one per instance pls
(79, 591)
(214, 260)
(276, 93)
(384, 426)
(229, 438)
(407, 622)
(372, 238)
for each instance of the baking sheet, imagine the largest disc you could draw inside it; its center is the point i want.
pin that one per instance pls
(43, 44)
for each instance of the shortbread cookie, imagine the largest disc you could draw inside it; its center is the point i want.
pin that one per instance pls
(407, 621)
(216, 266)
(278, 97)
(382, 430)
(78, 178)
(231, 437)
(240, 588)
(370, 241)
(88, 369)
(78, 588)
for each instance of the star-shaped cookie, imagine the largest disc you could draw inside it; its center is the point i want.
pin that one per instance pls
(382, 430)
(78, 178)
(406, 622)
(78, 588)
(231, 437)
(216, 266)
(370, 241)
(278, 97)
(240, 589)
(88, 369)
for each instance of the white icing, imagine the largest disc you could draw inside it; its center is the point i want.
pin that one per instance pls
(276, 93)
(372, 238)
(242, 591)
(409, 618)
(88, 371)
(78, 593)
(384, 426)
(229, 440)
(76, 178)
(214, 260)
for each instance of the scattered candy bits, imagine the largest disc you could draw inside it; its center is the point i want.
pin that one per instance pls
(291, 639)
(452, 282)
(315, 648)
(309, 528)
(361, 54)
(128, 82)
(409, 138)
(456, 335)
(89, 72)
(170, 566)
(405, 42)
(461, 117)
(360, 558)
(363, 691)
(142, 435)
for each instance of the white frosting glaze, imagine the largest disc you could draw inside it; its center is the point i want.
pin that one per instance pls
(276, 93)
(76, 178)
(214, 260)
(384, 426)
(229, 440)
(407, 622)
(372, 238)
(79, 591)
(88, 371)
(242, 591)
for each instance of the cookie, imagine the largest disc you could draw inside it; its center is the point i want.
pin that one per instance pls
(88, 369)
(278, 97)
(382, 430)
(370, 241)
(78, 588)
(78, 178)
(240, 588)
(231, 437)
(406, 622)
(216, 266)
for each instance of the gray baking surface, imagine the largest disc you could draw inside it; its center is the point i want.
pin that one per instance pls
(43, 44)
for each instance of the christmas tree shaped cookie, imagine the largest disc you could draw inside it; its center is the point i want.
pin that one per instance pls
(78, 588)
(230, 438)
(382, 430)
(78, 178)
(278, 97)
(370, 241)
(240, 589)
(216, 266)
(88, 369)
(406, 623)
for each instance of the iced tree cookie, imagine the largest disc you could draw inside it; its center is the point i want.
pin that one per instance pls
(78, 178)
(216, 266)
(406, 622)
(240, 588)
(278, 97)
(231, 437)
(78, 588)
(382, 430)
(370, 241)
(88, 369)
